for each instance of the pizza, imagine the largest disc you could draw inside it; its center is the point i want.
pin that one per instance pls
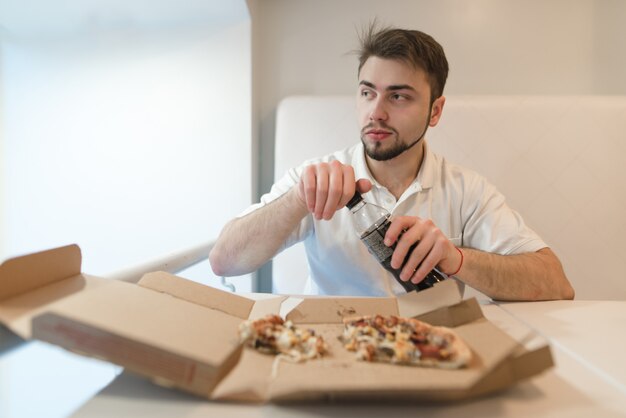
(406, 341)
(273, 335)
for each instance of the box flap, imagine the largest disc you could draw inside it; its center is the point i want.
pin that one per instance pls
(442, 294)
(289, 304)
(198, 293)
(171, 340)
(527, 363)
(22, 274)
(320, 310)
(33, 283)
(530, 357)
(452, 316)
(266, 306)
(17, 312)
(521, 364)
(155, 318)
(332, 309)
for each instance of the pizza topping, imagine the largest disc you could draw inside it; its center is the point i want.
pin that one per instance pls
(404, 341)
(273, 335)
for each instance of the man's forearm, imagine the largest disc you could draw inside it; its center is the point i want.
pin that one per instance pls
(245, 244)
(530, 276)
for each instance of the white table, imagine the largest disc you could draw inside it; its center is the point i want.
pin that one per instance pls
(588, 380)
(41, 380)
(591, 332)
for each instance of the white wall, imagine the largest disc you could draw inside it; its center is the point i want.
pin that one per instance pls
(609, 54)
(129, 144)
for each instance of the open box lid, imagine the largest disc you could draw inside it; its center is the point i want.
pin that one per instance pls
(170, 340)
(45, 296)
(31, 284)
(304, 309)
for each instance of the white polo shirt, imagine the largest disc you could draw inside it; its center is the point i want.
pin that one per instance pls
(467, 208)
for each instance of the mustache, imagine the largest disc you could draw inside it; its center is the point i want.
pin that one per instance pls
(380, 125)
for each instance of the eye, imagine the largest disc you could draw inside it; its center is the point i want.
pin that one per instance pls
(398, 97)
(367, 93)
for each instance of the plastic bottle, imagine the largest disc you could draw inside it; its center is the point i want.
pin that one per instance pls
(372, 222)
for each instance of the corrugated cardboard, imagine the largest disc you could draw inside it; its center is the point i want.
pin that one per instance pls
(183, 334)
(33, 283)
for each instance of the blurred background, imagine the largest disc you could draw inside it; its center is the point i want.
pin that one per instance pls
(135, 128)
(126, 126)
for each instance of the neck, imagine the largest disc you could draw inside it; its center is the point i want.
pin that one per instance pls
(398, 173)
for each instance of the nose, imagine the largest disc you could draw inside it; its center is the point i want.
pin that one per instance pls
(378, 111)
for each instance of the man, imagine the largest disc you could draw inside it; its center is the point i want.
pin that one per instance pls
(460, 223)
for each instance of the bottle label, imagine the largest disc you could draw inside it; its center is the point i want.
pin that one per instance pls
(373, 240)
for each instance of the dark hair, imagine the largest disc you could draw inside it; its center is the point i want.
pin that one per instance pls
(411, 46)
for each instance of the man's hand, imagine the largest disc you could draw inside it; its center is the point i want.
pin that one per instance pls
(325, 188)
(433, 248)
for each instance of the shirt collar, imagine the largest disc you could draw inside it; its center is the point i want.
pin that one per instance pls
(425, 177)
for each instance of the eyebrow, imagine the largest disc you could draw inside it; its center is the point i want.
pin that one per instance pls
(393, 87)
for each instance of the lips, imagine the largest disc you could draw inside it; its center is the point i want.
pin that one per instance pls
(378, 134)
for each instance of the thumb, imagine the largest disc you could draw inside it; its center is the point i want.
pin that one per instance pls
(363, 185)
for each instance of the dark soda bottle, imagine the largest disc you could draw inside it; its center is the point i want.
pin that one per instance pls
(372, 222)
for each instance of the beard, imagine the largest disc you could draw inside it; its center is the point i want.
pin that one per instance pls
(377, 152)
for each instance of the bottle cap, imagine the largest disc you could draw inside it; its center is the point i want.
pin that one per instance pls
(355, 199)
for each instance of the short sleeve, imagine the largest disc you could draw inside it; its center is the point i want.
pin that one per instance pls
(491, 225)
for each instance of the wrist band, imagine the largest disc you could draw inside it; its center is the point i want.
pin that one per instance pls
(460, 265)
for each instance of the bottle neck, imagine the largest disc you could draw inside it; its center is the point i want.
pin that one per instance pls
(367, 216)
(357, 206)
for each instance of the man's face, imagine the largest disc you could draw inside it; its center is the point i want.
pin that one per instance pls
(393, 106)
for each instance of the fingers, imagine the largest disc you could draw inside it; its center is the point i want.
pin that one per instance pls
(420, 247)
(335, 189)
(348, 186)
(415, 257)
(398, 226)
(327, 187)
(426, 259)
(309, 187)
(363, 186)
(321, 192)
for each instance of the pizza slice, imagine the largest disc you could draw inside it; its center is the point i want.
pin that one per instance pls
(406, 341)
(273, 335)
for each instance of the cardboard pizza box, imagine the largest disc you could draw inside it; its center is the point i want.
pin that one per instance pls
(182, 334)
(33, 283)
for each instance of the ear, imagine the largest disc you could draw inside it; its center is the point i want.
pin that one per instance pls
(437, 110)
